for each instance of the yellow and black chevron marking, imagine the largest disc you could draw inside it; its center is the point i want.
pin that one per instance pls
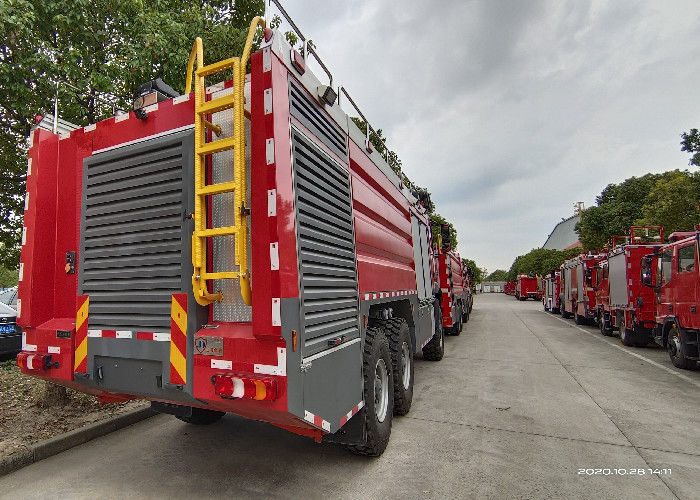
(81, 327)
(178, 339)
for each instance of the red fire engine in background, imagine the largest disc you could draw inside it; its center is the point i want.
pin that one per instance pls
(454, 288)
(622, 302)
(527, 287)
(509, 288)
(576, 294)
(241, 248)
(550, 292)
(673, 273)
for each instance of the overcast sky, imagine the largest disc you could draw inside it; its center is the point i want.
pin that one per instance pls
(511, 111)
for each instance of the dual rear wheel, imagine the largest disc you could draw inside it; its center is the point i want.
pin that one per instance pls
(388, 382)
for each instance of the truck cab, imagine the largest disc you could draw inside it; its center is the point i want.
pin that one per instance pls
(673, 273)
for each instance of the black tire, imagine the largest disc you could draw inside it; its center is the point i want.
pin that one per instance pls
(396, 330)
(578, 319)
(377, 432)
(200, 416)
(565, 313)
(627, 336)
(435, 349)
(675, 350)
(457, 327)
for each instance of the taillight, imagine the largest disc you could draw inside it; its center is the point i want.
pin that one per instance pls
(35, 362)
(259, 389)
(268, 34)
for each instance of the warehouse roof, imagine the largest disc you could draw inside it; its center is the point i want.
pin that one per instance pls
(563, 235)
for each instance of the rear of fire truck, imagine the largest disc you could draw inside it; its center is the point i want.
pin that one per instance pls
(453, 291)
(239, 248)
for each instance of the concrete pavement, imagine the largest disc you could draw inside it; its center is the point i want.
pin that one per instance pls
(521, 402)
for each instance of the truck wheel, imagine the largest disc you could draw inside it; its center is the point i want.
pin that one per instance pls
(378, 393)
(457, 327)
(626, 333)
(435, 349)
(675, 351)
(396, 331)
(200, 416)
(604, 329)
(564, 313)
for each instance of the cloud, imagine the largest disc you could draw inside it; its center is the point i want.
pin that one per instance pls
(509, 112)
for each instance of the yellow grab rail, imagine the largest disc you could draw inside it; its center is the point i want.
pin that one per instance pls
(237, 186)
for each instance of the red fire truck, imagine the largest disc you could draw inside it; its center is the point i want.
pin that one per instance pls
(577, 296)
(622, 302)
(469, 290)
(526, 287)
(550, 296)
(240, 248)
(509, 288)
(672, 271)
(453, 286)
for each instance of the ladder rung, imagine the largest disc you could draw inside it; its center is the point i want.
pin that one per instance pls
(222, 187)
(216, 231)
(216, 146)
(215, 105)
(216, 67)
(233, 275)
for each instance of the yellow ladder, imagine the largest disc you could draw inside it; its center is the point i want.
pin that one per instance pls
(202, 148)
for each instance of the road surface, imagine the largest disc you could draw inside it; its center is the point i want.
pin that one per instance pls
(521, 403)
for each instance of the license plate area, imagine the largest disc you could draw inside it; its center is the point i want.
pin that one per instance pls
(7, 328)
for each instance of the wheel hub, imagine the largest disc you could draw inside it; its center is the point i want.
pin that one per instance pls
(406, 365)
(381, 390)
(674, 345)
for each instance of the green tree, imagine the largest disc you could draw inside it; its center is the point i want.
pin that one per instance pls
(8, 277)
(106, 48)
(497, 275)
(617, 208)
(476, 272)
(690, 143)
(673, 203)
(539, 261)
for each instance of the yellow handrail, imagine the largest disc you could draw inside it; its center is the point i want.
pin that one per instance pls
(197, 53)
(257, 21)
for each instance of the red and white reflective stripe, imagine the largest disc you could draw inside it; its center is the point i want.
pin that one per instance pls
(159, 337)
(317, 421)
(279, 369)
(386, 295)
(128, 334)
(352, 412)
(426, 341)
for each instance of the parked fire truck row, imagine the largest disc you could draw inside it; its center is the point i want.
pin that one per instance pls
(642, 288)
(240, 248)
